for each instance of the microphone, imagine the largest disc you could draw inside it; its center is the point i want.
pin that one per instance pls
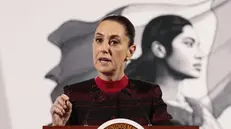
(142, 110)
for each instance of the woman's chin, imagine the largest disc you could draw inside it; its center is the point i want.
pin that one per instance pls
(194, 75)
(105, 70)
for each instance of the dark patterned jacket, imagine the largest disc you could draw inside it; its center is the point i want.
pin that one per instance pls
(138, 101)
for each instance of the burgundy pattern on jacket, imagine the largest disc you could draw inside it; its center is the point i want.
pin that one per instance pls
(138, 101)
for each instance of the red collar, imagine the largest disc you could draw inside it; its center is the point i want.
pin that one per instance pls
(111, 86)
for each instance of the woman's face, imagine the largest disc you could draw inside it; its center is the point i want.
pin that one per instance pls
(186, 55)
(110, 47)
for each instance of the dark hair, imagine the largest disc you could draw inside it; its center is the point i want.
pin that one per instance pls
(126, 23)
(162, 29)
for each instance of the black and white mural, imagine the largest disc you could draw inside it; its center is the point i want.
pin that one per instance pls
(194, 74)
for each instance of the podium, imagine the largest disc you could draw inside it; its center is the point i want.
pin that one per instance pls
(120, 123)
(145, 127)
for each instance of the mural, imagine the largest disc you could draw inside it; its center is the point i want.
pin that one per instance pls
(196, 81)
(74, 38)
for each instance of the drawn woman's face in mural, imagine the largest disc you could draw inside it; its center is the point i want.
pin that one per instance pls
(186, 55)
(111, 47)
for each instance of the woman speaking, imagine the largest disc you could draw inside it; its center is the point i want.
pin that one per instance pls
(111, 94)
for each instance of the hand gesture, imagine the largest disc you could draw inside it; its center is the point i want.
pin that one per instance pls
(61, 111)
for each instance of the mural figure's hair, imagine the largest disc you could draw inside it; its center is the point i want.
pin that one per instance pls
(162, 29)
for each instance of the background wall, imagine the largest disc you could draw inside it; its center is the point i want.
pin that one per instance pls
(27, 55)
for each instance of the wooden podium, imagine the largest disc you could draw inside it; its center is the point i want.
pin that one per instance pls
(145, 127)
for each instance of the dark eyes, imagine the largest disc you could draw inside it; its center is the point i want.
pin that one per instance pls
(99, 40)
(189, 43)
(112, 41)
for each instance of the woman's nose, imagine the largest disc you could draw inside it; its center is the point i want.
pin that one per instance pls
(105, 47)
(199, 54)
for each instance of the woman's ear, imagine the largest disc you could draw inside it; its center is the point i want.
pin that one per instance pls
(130, 52)
(158, 49)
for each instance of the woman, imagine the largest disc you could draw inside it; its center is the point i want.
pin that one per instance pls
(111, 94)
(170, 54)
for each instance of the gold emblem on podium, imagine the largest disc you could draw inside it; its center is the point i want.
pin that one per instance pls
(120, 124)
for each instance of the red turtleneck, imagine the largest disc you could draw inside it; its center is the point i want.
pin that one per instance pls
(111, 86)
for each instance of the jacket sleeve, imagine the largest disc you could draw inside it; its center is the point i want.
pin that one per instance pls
(160, 116)
(72, 119)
